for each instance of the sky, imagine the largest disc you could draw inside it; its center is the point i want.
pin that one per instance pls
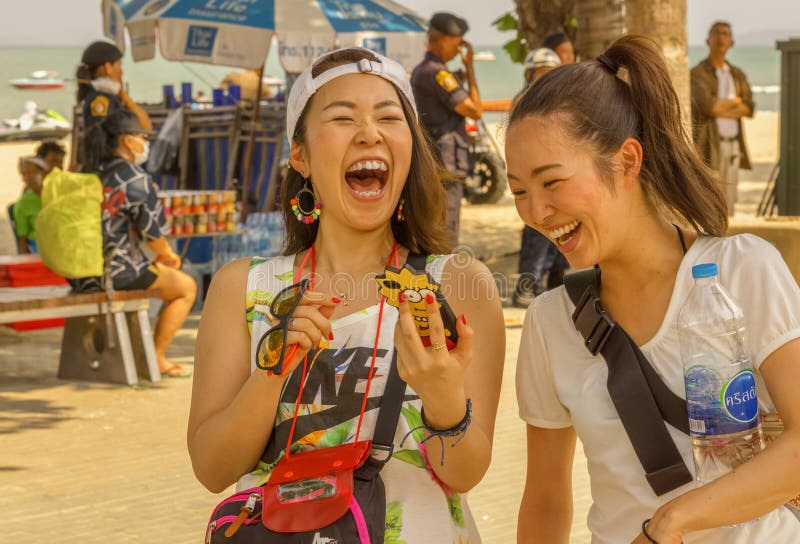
(77, 22)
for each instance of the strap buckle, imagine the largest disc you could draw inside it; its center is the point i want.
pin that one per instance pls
(381, 453)
(592, 321)
(378, 457)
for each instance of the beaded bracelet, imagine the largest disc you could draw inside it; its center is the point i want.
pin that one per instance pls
(459, 429)
(645, 533)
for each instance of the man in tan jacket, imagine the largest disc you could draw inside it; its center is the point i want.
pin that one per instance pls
(720, 98)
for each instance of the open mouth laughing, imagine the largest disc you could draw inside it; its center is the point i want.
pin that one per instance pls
(564, 234)
(366, 179)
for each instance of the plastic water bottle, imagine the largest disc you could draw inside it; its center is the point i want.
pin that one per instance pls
(191, 269)
(256, 227)
(263, 236)
(276, 232)
(720, 384)
(221, 252)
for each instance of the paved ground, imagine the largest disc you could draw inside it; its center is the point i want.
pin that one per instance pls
(92, 463)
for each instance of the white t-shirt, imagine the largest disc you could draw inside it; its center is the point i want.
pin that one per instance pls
(726, 88)
(560, 384)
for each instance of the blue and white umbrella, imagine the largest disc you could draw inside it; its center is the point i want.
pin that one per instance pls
(239, 32)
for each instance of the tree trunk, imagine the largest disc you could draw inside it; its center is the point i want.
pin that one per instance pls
(600, 22)
(665, 22)
(538, 18)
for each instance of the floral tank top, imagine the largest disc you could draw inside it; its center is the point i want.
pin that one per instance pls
(420, 508)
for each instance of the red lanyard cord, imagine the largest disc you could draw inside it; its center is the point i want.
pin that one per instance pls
(393, 256)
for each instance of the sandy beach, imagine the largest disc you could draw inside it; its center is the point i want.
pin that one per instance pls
(108, 460)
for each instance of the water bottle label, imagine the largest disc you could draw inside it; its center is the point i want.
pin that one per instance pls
(697, 426)
(739, 397)
(717, 407)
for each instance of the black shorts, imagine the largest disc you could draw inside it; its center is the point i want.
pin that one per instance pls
(122, 282)
(144, 280)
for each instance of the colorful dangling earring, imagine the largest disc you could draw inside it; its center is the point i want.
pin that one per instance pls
(400, 215)
(310, 213)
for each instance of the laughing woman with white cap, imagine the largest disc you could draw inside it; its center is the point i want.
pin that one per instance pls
(362, 192)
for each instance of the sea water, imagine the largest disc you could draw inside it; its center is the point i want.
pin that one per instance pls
(500, 78)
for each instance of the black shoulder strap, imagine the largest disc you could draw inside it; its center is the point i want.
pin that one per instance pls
(418, 261)
(395, 390)
(389, 412)
(386, 425)
(641, 398)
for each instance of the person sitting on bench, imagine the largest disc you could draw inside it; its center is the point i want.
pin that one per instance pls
(24, 211)
(116, 148)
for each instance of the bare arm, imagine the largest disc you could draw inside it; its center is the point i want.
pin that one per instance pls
(22, 245)
(545, 513)
(470, 107)
(233, 410)
(770, 478)
(166, 255)
(730, 108)
(737, 112)
(473, 370)
(136, 109)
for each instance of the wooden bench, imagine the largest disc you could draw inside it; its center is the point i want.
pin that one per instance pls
(88, 351)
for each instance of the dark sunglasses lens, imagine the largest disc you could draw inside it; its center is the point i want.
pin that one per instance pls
(269, 350)
(283, 303)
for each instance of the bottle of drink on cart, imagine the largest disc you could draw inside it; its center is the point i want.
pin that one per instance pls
(719, 377)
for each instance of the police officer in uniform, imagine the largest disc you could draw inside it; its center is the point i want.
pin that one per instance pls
(443, 103)
(101, 91)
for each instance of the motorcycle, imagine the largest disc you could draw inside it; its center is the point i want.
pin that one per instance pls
(487, 182)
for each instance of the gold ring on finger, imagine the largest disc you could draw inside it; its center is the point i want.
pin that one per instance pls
(439, 347)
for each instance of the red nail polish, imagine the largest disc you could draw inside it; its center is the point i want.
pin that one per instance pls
(401, 297)
(335, 300)
(429, 299)
(330, 336)
(463, 319)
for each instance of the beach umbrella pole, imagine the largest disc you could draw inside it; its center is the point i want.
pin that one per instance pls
(248, 150)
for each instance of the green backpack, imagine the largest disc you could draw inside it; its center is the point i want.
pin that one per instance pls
(69, 233)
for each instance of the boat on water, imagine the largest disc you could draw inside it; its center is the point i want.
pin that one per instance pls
(484, 56)
(35, 134)
(39, 80)
(34, 124)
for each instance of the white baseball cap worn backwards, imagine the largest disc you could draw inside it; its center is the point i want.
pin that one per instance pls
(306, 85)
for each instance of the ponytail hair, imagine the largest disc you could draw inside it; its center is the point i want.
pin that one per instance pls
(627, 93)
(84, 75)
(102, 137)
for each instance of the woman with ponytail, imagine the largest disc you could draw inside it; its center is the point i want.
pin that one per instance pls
(599, 161)
(100, 88)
